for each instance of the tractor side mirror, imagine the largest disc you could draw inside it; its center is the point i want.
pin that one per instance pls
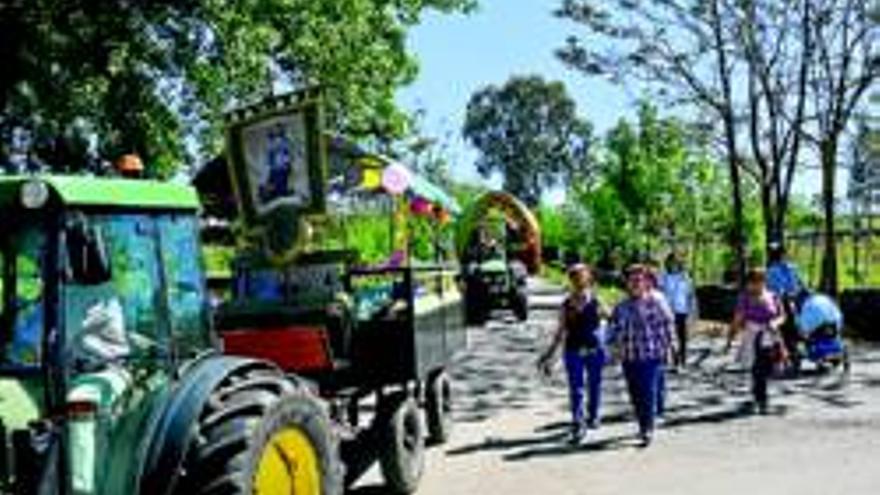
(88, 262)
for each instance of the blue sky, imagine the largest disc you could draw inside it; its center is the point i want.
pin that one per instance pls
(459, 54)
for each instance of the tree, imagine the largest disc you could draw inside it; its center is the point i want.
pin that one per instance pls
(528, 130)
(156, 77)
(681, 48)
(647, 167)
(742, 64)
(777, 50)
(428, 155)
(864, 177)
(655, 188)
(848, 65)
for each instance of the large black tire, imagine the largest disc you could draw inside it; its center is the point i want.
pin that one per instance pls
(476, 301)
(438, 407)
(520, 305)
(476, 312)
(402, 443)
(240, 424)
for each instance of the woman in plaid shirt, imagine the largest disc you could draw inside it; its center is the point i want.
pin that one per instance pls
(641, 333)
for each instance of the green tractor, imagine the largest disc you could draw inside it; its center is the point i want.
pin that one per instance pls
(111, 380)
(499, 245)
(495, 283)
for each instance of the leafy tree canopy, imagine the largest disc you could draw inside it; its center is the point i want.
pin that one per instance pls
(155, 77)
(655, 181)
(527, 130)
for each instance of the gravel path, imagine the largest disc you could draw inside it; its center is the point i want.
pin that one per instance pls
(822, 437)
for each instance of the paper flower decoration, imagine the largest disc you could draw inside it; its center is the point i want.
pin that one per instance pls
(396, 179)
(420, 206)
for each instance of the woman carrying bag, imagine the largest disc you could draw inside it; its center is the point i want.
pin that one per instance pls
(758, 317)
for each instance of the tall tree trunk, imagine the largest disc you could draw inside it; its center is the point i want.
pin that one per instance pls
(856, 237)
(737, 204)
(828, 152)
(781, 215)
(769, 216)
(737, 237)
(733, 159)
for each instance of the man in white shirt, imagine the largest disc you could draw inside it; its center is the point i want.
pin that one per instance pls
(678, 289)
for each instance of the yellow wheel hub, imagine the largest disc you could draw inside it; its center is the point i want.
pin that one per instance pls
(288, 465)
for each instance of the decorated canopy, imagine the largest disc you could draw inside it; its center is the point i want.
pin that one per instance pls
(381, 173)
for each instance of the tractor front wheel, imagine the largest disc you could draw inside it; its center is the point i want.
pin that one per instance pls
(520, 305)
(263, 435)
(476, 312)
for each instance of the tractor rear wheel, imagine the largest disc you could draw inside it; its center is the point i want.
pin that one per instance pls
(438, 407)
(262, 434)
(402, 443)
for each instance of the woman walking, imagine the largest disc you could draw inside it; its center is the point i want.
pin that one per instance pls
(642, 336)
(758, 317)
(584, 354)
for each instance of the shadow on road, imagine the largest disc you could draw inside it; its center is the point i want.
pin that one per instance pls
(370, 490)
(540, 445)
(505, 444)
(550, 438)
(499, 375)
(559, 450)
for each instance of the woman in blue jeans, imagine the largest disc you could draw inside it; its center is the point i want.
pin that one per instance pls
(584, 354)
(641, 332)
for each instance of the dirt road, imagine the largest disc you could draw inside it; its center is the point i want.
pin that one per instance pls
(823, 436)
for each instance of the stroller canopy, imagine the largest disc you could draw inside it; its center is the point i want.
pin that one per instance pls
(817, 311)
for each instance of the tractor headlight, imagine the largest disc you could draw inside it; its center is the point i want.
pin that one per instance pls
(34, 194)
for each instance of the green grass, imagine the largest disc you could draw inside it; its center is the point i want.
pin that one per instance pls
(809, 262)
(708, 266)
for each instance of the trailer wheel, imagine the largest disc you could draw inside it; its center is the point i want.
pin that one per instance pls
(438, 407)
(260, 434)
(402, 443)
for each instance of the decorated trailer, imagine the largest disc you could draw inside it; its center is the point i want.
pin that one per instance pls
(331, 283)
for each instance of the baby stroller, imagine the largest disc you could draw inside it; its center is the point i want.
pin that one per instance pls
(820, 324)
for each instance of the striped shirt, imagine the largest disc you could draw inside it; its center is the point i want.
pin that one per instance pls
(642, 329)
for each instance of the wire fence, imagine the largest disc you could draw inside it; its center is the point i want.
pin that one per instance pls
(710, 258)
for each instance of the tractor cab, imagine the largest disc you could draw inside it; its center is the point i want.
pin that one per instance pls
(101, 299)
